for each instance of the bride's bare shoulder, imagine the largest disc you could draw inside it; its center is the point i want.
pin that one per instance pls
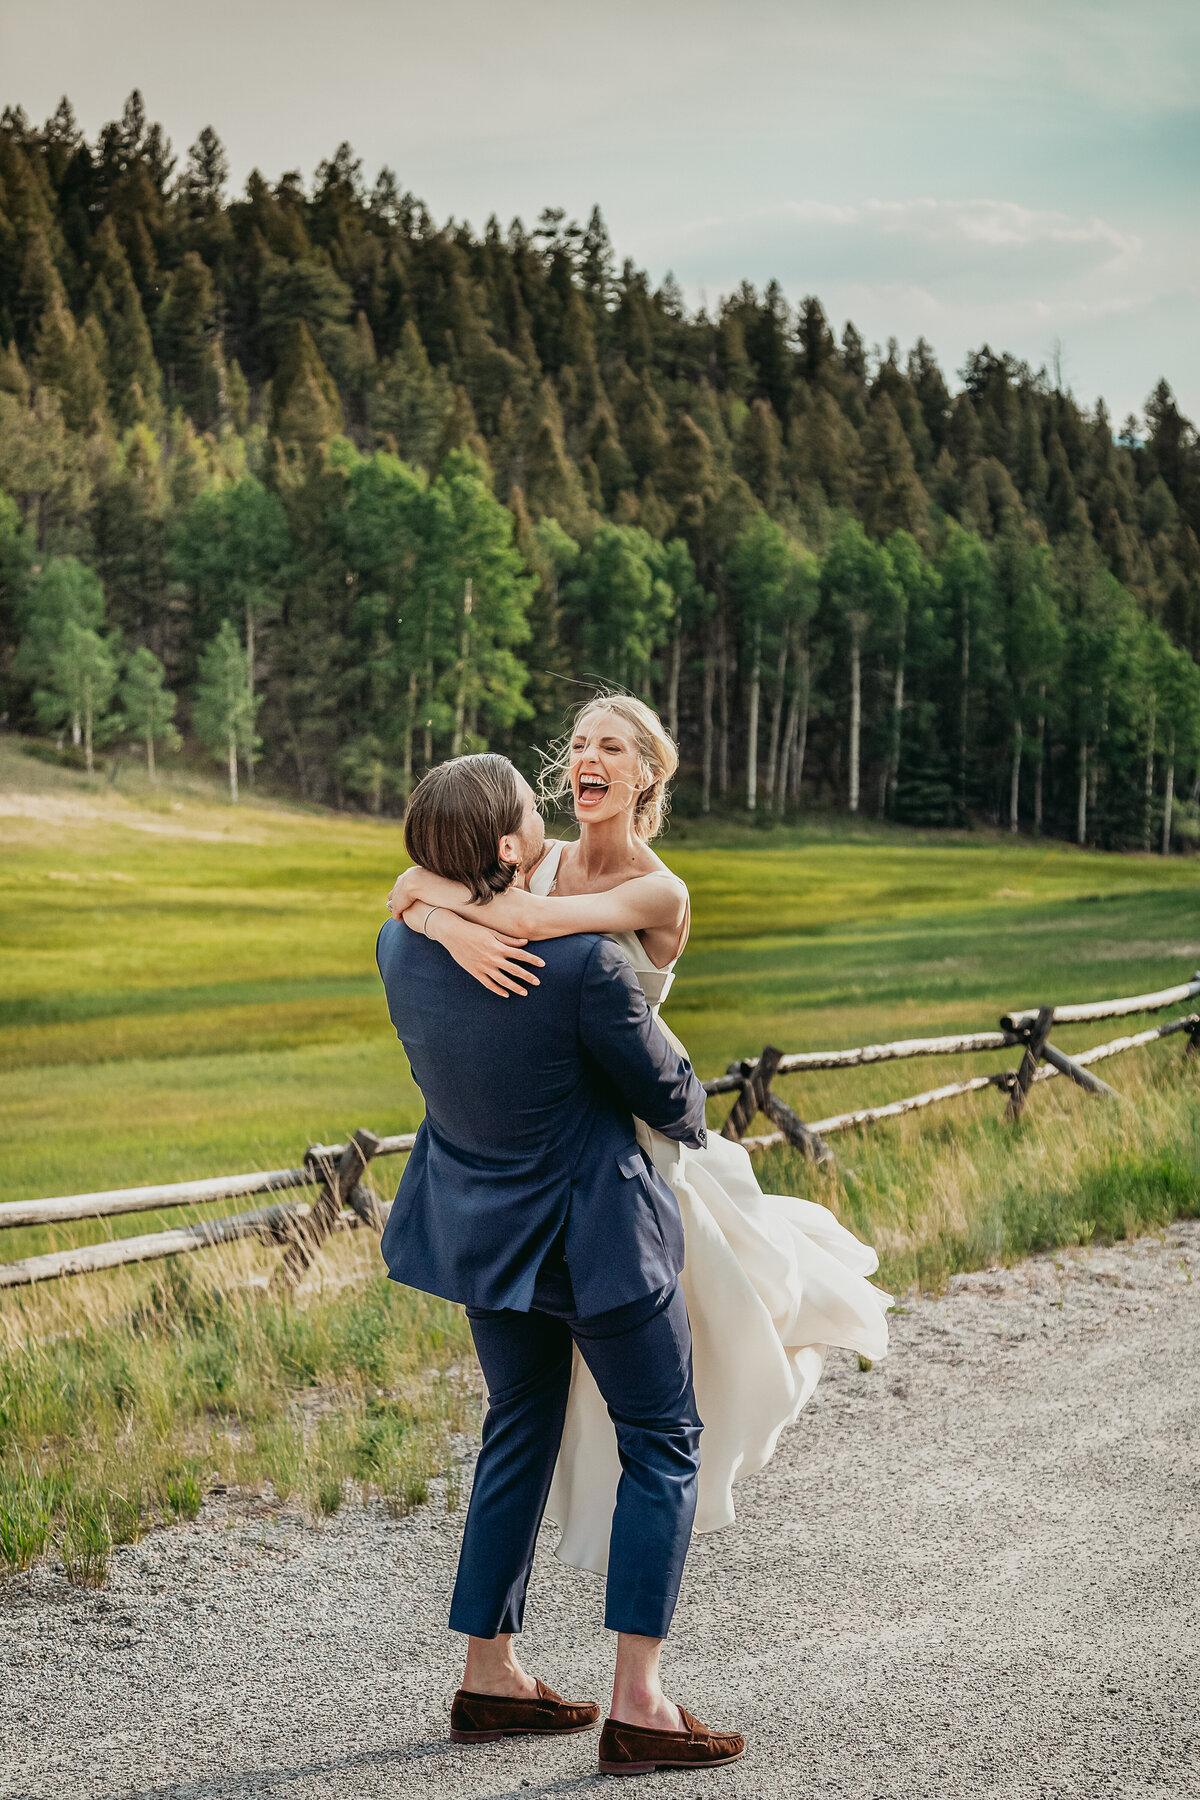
(654, 865)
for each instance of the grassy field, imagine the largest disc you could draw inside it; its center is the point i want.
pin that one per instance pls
(188, 990)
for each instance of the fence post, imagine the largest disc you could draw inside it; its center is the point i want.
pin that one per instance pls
(340, 1183)
(756, 1079)
(1033, 1036)
(756, 1096)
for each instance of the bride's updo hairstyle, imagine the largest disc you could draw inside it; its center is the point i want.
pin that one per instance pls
(656, 752)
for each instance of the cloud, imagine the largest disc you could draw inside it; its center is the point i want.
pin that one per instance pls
(954, 247)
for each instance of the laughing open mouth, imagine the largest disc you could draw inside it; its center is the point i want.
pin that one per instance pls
(592, 789)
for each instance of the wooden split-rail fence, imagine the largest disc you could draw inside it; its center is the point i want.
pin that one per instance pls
(345, 1201)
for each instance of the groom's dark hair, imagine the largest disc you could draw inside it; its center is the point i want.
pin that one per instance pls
(456, 817)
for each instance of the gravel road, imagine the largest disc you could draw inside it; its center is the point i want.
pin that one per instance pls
(969, 1571)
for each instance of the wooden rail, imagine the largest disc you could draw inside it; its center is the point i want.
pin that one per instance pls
(345, 1201)
(183, 1193)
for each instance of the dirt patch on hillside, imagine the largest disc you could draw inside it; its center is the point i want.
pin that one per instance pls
(74, 810)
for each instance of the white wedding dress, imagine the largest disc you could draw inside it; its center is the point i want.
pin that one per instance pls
(771, 1282)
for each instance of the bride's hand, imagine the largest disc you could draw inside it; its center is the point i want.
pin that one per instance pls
(501, 963)
(403, 893)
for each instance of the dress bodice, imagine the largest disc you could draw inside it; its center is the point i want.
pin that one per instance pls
(654, 982)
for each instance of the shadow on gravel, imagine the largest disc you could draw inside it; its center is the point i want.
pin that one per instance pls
(243, 1784)
(246, 1784)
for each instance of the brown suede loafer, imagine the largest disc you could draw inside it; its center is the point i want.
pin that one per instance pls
(629, 1750)
(482, 1718)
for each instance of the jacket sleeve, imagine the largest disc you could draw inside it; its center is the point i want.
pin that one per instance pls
(654, 1081)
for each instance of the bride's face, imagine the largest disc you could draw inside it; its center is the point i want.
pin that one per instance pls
(607, 773)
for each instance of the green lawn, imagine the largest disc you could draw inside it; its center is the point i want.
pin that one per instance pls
(186, 989)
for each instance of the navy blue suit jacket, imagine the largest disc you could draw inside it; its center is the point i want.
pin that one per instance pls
(529, 1107)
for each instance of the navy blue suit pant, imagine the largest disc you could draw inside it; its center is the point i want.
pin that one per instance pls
(641, 1357)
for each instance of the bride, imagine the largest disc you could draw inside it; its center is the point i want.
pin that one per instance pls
(771, 1282)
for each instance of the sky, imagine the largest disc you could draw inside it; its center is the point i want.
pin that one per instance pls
(1015, 173)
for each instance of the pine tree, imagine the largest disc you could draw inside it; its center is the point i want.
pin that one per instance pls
(760, 453)
(305, 410)
(817, 349)
(186, 331)
(129, 513)
(552, 483)
(64, 357)
(207, 171)
(412, 401)
(460, 431)
(688, 481)
(134, 381)
(16, 558)
(892, 496)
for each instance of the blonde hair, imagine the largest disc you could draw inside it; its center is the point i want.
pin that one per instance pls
(656, 751)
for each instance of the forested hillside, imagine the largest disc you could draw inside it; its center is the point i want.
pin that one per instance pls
(336, 491)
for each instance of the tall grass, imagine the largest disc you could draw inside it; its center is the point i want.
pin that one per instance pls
(962, 1188)
(171, 1382)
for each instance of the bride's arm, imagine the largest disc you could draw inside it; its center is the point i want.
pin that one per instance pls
(644, 903)
(498, 962)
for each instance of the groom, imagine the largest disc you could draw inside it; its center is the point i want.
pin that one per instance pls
(527, 1198)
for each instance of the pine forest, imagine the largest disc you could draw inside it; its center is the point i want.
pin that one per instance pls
(325, 491)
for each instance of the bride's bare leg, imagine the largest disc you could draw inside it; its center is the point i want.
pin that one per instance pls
(492, 1668)
(638, 1698)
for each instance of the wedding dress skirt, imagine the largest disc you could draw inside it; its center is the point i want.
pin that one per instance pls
(771, 1282)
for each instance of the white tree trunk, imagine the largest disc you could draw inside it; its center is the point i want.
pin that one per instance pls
(897, 722)
(250, 686)
(1082, 810)
(410, 727)
(460, 695)
(801, 748)
(791, 732)
(855, 713)
(87, 741)
(1014, 786)
(752, 746)
(150, 757)
(1169, 798)
(233, 785)
(710, 683)
(676, 665)
(965, 708)
(776, 719)
(1148, 794)
(723, 782)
